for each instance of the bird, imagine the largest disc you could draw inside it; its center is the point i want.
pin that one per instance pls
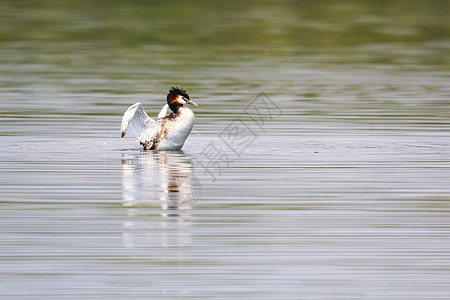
(165, 132)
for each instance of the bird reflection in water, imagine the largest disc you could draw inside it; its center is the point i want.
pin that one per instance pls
(151, 181)
(164, 176)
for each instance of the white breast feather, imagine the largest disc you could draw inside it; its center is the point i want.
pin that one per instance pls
(178, 130)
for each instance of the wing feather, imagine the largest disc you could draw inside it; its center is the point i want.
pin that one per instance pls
(163, 111)
(137, 123)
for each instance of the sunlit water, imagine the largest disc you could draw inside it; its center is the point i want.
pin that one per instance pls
(318, 168)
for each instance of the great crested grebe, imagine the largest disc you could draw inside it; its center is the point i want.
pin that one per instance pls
(163, 132)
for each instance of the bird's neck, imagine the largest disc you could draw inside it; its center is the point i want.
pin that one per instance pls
(175, 107)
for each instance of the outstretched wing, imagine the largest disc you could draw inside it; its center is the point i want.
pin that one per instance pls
(137, 123)
(163, 111)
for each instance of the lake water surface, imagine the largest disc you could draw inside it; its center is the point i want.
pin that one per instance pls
(318, 168)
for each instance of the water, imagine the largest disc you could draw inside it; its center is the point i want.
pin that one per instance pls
(339, 191)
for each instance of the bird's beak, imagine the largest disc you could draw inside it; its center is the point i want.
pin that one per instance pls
(191, 103)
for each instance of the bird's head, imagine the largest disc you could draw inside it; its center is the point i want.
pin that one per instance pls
(177, 97)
